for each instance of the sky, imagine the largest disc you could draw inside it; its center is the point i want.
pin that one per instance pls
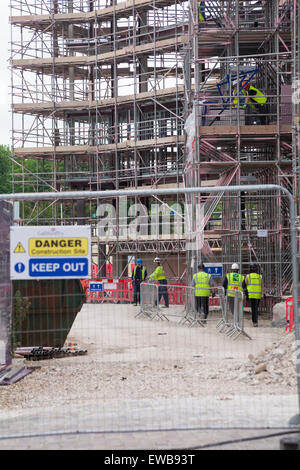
(5, 98)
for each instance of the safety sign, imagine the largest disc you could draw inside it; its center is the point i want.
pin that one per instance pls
(59, 267)
(216, 270)
(54, 252)
(96, 287)
(58, 246)
(19, 248)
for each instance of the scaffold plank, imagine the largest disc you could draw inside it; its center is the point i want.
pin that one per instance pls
(252, 130)
(123, 54)
(89, 150)
(49, 107)
(123, 9)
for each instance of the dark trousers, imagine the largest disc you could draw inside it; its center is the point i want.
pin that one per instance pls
(136, 292)
(163, 292)
(231, 303)
(254, 309)
(202, 305)
(261, 112)
(256, 114)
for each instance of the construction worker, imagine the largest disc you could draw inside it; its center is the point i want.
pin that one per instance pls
(202, 282)
(139, 275)
(255, 101)
(241, 97)
(159, 276)
(234, 281)
(201, 11)
(254, 285)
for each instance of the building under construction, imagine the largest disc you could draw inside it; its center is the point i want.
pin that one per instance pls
(150, 94)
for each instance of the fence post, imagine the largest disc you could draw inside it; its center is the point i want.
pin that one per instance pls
(6, 218)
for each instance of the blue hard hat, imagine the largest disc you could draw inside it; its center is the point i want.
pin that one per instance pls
(139, 261)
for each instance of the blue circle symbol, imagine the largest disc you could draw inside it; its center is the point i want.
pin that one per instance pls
(19, 267)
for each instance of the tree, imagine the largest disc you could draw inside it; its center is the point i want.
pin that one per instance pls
(5, 170)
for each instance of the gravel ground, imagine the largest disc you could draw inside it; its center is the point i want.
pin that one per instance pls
(135, 360)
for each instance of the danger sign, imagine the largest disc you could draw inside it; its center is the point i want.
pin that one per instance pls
(19, 248)
(60, 252)
(58, 246)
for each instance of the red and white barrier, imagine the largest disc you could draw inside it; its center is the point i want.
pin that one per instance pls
(289, 313)
(120, 290)
(109, 290)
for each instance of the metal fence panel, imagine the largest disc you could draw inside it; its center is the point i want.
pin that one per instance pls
(117, 370)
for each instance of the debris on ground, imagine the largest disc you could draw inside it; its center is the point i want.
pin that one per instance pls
(39, 353)
(276, 364)
(13, 373)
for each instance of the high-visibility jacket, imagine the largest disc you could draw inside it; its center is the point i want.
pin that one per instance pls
(254, 285)
(258, 99)
(201, 11)
(143, 273)
(158, 274)
(202, 284)
(241, 98)
(235, 282)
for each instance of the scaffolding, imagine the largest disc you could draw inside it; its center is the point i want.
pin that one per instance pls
(232, 45)
(98, 101)
(148, 93)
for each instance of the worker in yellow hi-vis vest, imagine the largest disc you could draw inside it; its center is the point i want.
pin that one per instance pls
(159, 276)
(254, 101)
(202, 282)
(254, 283)
(201, 11)
(233, 281)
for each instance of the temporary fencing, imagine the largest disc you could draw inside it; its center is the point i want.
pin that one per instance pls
(149, 301)
(289, 313)
(232, 322)
(191, 317)
(135, 378)
(121, 290)
(179, 295)
(108, 290)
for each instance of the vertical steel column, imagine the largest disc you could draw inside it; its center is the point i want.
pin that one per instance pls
(238, 137)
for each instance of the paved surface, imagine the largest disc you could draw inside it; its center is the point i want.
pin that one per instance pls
(170, 423)
(171, 416)
(180, 441)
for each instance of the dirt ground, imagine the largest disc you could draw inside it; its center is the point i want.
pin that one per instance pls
(135, 367)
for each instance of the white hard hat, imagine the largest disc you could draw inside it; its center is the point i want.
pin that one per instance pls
(235, 266)
(156, 260)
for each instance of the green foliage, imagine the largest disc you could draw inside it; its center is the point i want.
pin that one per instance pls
(30, 175)
(5, 170)
(20, 311)
(36, 174)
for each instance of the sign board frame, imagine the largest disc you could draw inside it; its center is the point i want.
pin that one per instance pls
(50, 252)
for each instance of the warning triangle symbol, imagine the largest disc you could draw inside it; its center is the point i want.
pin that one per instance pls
(19, 248)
